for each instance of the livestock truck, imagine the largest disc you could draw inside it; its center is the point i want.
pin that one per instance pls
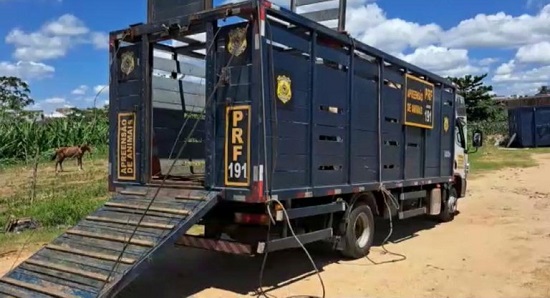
(289, 133)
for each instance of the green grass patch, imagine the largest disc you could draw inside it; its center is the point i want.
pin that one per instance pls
(59, 201)
(30, 240)
(489, 158)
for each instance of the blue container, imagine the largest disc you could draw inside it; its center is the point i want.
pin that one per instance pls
(531, 126)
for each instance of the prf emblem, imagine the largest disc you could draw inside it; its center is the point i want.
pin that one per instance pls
(127, 63)
(237, 41)
(284, 88)
(445, 124)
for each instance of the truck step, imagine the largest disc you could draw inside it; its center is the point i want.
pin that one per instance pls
(86, 260)
(412, 213)
(290, 242)
(225, 246)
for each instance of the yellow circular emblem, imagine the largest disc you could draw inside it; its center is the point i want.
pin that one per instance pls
(284, 88)
(127, 63)
(236, 44)
(445, 123)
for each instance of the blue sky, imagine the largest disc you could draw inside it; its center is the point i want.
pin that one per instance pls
(60, 46)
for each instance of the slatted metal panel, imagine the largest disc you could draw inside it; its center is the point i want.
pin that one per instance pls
(331, 13)
(158, 10)
(178, 95)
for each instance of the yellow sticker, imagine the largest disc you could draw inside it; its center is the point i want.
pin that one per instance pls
(445, 123)
(284, 88)
(126, 146)
(237, 41)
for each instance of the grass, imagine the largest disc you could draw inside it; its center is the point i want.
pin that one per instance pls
(59, 201)
(490, 158)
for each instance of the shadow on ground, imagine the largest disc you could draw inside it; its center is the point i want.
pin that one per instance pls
(185, 272)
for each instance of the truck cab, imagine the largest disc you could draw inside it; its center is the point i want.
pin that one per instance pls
(461, 163)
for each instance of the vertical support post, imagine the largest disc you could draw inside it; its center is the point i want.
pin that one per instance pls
(210, 110)
(342, 15)
(313, 73)
(379, 106)
(534, 128)
(113, 107)
(351, 94)
(146, 112)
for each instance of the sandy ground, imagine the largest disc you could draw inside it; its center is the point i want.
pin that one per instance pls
(498, 246)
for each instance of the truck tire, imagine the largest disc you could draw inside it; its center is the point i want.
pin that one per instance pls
(449, 206)
(359, 233)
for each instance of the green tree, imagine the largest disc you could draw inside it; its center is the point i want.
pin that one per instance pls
(14, 94)
(480, 105)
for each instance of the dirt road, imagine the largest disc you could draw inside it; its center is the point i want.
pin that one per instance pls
(498, 246)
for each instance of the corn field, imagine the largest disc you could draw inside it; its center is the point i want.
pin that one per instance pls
(23, 140)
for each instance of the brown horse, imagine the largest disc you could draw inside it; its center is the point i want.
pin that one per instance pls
(70, 152)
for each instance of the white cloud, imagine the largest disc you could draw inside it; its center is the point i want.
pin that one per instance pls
(534, 53)
(55, 100)
(443, 61)
(514, 77)
(53, 40)
(65, 25)
(104, 89)
(500, 30)
(26, 69)
(81, 90)
(369, 24)
(49, 105)
(100, 40)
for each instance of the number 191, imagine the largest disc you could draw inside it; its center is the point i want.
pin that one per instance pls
(236, 170)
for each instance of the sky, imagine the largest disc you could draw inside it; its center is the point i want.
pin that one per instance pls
(60, 46)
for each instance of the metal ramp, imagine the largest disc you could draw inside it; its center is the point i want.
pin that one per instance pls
(78, 263)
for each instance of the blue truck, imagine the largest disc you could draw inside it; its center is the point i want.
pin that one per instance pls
(289, 132)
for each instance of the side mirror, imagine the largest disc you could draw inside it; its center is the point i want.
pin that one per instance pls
(477, 139)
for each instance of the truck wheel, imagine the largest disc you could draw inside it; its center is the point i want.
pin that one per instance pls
(359, 232)
(449, 206)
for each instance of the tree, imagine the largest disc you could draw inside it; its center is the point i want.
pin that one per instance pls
(480, 105)
(543, 90)
(14, 94)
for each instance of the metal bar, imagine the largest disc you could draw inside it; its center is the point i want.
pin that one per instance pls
(191, 47)
(138, 207)
(342, 15)
(130, 222)
(315, 210)
(89, 254)
(66, 269)
(290, 242)
(308, 2)
(412, 195)
(322, 15)
(412, 213)
(146, 122)
(111, 238)
(29, 286)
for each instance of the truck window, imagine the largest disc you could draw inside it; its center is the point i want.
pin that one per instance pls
(459, 136)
